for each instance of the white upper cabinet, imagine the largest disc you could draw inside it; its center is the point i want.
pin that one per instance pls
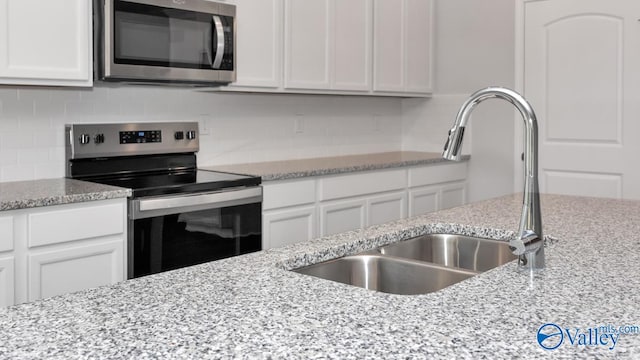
(328, 44)
(259, 46)
(306, 44)
(46, 42)
(334, 47)
(352, 24)
(402, 46)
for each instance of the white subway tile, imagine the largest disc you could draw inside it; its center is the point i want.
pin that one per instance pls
(51, 170)
(7, 94)
(16, 140)
(33, 94)
(50, 109)
(33, 156)
(8, 157)
(78, 110)
(64, 94)
(17, 109)
(17, 172)
(9, 124)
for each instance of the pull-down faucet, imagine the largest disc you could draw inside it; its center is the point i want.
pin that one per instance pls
(528, 244)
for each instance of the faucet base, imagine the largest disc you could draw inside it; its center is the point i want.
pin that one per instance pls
(532, 261)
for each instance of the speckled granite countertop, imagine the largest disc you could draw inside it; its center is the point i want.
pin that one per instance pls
(289, 169)
(249, 307)
(47, 192)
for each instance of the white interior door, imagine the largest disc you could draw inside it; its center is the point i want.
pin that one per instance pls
(582, 77)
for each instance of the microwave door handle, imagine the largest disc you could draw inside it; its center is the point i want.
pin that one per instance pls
(208, 50)
(219, 45)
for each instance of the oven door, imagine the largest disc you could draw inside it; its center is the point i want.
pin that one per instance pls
(171, 232)
(160, 40)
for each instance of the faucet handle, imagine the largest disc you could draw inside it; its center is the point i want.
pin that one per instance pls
(527, 242)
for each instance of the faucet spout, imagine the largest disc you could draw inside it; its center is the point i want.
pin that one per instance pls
(528, 244)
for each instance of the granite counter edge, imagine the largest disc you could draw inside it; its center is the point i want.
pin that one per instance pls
(63, 199)
(351, 169)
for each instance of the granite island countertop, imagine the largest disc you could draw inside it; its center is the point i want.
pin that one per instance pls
(46, 192)
(251, 307)
(290, 169)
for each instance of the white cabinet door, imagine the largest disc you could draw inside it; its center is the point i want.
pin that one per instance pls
(341, 216)
(307, 44)
(6, 233)
(581, 65)
(74, 268)
(351, 44)
(418, 48)
(402, 45)
(289, 226)
(46, 42)
(259, 47)
(453, 195)
(384, 208)
(424, 200)
(6, 281)
(328, 44)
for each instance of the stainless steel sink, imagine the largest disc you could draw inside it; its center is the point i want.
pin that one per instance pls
(416, 266)
(459, 251)
(387, 274)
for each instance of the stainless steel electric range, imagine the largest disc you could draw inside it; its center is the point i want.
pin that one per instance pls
(178, 215)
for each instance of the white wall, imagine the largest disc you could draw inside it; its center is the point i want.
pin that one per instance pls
(474, 48)
(243, 127)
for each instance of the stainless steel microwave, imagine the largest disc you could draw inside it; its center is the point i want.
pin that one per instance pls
(170, 41)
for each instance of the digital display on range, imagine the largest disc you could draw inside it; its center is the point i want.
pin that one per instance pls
(140, 136)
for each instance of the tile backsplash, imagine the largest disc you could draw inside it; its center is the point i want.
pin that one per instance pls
(238, 128)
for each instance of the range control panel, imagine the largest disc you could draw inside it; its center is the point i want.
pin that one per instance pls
(140, 136)
(107, 140)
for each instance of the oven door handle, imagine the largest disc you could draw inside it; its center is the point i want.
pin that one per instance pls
(145, 208)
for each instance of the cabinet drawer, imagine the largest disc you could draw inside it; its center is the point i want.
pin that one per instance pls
(75, 222)
(288, 193)
(435, 174)
(362, 184)
(6, 233)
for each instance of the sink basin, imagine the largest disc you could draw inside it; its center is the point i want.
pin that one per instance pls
(387, 274)
(419, 265)
(459, 251)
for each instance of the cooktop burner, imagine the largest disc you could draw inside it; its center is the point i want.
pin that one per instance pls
(177, 182)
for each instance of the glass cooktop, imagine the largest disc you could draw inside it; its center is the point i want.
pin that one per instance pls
(182, 182)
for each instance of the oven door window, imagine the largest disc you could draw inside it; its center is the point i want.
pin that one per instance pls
(156, 36)
(173, 241)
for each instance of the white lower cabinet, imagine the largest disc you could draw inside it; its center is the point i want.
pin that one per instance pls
(75, 268)
(341, 216)
(384, 208)
(302, 209)
(453, 195)
(284, 227)
(7, 288)
(54, 250)
(424, 200)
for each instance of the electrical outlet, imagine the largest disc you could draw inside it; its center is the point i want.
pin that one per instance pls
(203, 124)
(298, 126)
